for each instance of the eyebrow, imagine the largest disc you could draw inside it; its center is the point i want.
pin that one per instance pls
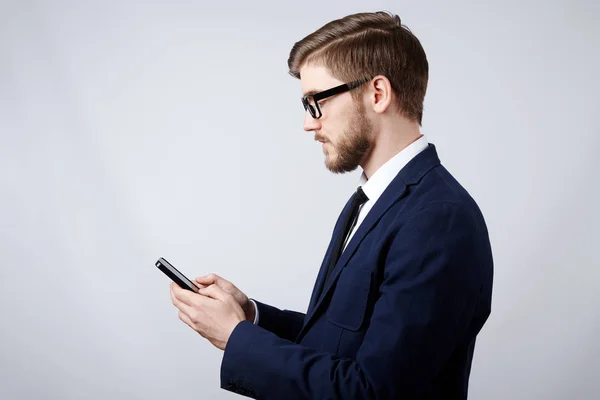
(311, 92)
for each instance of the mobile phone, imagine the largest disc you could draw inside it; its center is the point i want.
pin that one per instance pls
(175, 275)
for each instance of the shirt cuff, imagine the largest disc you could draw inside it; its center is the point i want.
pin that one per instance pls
(255, 312)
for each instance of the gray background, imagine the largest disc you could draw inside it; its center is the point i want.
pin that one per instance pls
(135, 130)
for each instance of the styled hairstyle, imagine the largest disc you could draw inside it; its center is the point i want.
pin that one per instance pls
(365, 45)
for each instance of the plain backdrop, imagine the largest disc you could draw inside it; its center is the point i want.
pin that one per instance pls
(134, 130)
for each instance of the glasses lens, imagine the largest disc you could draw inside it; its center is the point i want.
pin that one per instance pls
(310, 105)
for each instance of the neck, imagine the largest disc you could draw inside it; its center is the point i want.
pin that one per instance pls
(388, 142)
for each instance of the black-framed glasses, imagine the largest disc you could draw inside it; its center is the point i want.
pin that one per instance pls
(311, 101)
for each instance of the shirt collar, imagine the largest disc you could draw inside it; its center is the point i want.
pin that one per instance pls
(379, 181)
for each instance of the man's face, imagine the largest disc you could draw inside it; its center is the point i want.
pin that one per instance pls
(344, 129)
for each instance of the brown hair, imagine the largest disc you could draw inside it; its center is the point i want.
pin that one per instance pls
(366, 45)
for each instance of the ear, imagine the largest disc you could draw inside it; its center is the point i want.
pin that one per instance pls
(380, 94)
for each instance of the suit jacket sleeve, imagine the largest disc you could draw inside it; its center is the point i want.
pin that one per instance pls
(427, 296)
(284, 323)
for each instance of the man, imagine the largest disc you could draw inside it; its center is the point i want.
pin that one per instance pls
(406, 282)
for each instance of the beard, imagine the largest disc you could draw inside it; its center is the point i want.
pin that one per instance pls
(353, 145)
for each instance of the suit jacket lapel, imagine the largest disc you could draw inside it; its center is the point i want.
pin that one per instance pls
(374, 215)
(396, 190)
(323, 271)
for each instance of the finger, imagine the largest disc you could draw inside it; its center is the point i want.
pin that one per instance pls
(209, 279)
(200, 285)
(224, 284)
(185, 296)
(176, 302)
(214, 292)
(185, 310)
(194, 313)
(172, 293)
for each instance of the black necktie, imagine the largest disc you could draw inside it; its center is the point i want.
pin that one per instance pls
(358, 198)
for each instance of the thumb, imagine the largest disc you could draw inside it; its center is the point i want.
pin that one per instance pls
(199, 284)
(207, 279)
(214, 292)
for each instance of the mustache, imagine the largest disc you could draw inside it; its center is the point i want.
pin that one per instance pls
(320, 138)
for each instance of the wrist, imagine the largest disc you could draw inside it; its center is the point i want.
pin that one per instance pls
(250, 311)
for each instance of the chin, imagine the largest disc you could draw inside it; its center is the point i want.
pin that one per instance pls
(338, 168)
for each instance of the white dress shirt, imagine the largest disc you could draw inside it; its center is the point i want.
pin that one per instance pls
(381, 179)
(376, 185)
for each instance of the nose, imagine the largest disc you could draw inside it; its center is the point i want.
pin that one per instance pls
(310, 123)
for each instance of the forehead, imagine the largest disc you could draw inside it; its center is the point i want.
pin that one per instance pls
(316, 78)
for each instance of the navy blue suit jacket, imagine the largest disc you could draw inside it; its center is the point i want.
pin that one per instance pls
(400, 313)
